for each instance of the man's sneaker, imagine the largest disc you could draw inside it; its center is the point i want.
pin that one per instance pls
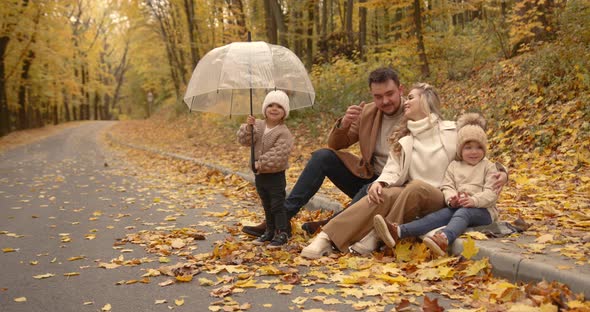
(280, 239)
(257, 230)
(266, 237)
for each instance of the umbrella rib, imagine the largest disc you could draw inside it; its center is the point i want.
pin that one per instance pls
(231, 102)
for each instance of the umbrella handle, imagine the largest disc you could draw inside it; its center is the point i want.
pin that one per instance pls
(252, 162)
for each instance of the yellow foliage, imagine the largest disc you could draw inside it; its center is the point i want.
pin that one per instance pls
(469, 248)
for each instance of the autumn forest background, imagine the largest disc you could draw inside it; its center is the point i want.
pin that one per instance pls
(522, 63)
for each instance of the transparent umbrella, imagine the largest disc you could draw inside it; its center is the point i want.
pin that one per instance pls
(235, 78)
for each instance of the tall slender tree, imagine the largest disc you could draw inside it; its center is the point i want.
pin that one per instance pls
(424, 68)
(11, 13)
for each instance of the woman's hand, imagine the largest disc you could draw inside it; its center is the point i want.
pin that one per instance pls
(501, 180)
(374, 193)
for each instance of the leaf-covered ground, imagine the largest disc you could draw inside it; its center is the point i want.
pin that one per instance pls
(555, 205)
(408, 281)
(541, 137)
(551, 191)
(540, 133)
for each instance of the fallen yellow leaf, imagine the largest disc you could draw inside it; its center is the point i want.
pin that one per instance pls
(205, 282)
(469, 248)
(163, 260)
(544, 238)
(184, 278)
(391, 279)
(42, 276)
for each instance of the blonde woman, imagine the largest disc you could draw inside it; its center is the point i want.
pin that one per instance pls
(408, 187)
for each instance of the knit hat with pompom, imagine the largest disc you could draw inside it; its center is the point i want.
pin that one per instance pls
(278, 97)
(471, 128)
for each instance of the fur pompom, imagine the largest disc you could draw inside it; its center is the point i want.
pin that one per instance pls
(471, 119)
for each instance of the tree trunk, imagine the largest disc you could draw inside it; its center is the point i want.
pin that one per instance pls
(22, 91)
(7, 27)
(167, 21)
(424, 69)
(362, 30)
(240, 18)
(271, 25)
(55, 115)
(310, 26)
(97, 114)
(348, 22)
(189, 8)
(324, 31)
(279, 20)
(66, 105)
(84, 100)
(297, 20)
(399, 16)
(5, 126)
(120, 76)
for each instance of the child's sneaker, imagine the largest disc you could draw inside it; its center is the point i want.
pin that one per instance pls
(266, 237)
(280, 239)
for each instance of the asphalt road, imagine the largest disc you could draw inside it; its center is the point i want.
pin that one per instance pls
(66, 200)
(54, 195)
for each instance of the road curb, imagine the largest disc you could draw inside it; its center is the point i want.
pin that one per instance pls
(517, 268)
(513, 267)
(318, 202)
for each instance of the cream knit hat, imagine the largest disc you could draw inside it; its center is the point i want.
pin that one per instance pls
(471, 128)
(277, 97)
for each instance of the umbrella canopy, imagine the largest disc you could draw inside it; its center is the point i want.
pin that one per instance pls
(223, 78)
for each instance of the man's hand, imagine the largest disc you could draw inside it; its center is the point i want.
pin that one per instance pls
(374, 193)
(501, 180)
(353, 113)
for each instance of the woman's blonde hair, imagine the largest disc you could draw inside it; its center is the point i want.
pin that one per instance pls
(430, 104)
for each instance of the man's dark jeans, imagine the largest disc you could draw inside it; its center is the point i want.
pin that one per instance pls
(324, 163)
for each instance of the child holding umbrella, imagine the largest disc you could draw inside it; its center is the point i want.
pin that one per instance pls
(273, 143)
